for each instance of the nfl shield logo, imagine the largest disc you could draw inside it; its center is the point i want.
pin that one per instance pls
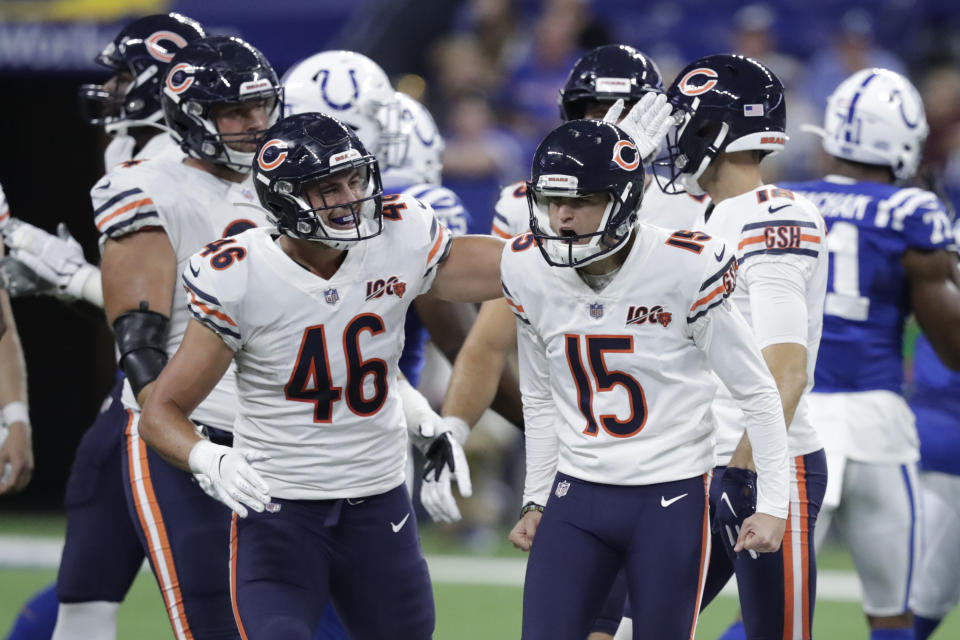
(596, 310)
(562, 487)
(331, 296)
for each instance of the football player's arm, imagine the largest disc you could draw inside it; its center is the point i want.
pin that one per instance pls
(17, 450)
(471, 270)
(778, 307)
(477, 370)
(728, 342)
(448, 323)
(542, 442)
(139, 272)
(192, 373)
(935, 298)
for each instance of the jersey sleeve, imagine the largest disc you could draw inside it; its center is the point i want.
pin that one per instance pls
(212, 296)
(539, 415)
(922, 218)
(511, 215)
(123, 204)
(788, 230)
(428, 233)
(510, 293)
(718, 279)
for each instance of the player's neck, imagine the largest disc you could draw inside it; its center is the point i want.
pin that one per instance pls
(218, 170)
(315, 257)
(731, 175)
(611, 262)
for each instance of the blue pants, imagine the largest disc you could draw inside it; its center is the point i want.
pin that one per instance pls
(659, 535)
(101, 554)
(185, 534)
(364, 554)
(777, 590)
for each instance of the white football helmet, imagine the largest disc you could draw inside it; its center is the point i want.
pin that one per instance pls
(876, 117)
(423, 161)
(353, 89)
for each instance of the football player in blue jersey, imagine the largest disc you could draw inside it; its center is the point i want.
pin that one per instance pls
(890, 255)
(936, 403)
(101, 555)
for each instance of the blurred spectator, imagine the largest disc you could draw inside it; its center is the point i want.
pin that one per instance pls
(753, 35)
(479, 158)
(495, 25)
(529, 96)
(940, 89)
(853, 48)
(461, 68)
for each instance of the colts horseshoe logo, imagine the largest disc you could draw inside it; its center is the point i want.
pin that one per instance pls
(632, 159)
(688, 90)
(270, 149)
(339, 106)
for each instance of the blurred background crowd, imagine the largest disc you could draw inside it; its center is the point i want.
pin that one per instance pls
(489, 71)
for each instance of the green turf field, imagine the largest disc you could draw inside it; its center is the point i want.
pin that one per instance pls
(464, 611)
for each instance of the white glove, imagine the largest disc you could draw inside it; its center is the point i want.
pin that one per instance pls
(232, 480)
(647, 123)
(445, 460)
(57, 259)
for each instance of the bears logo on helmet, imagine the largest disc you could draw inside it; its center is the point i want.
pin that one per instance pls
(160, 52)
(275, 149)
(183, 80)
(618, 157)
(688, 89)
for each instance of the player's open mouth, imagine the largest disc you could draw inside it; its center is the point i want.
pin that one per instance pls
(570, 233)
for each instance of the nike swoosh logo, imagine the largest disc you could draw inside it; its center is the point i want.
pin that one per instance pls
(725, 498)
(195, 272)
(396, 527)
(775, 209)
(719, 256)
(666, 503)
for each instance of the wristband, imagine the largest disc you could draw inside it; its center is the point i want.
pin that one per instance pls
(530, 506)
(15, 412)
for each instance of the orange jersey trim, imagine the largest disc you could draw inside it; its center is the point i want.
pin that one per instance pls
(121, 210)
(213, 312)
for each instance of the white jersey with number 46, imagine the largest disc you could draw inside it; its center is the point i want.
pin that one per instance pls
(316, 359)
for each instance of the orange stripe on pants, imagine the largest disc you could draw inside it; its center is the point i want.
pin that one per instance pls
(804, 544)
(233, 576)
(149, 510)
(704, 552)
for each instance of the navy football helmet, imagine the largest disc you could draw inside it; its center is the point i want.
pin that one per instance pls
(302, 149)
(606, 74)
(143, 48)
(213, 71)
(722, 103)
(577, 159)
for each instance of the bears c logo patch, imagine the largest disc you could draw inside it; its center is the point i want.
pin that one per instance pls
(164, 52)
(180, 78)
(688, 89)
(626, 155)
(272, 154)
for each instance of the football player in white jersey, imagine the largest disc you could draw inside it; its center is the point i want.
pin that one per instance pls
(403, 137)
(891, 254)
(317, 469)
(102, 554)
(620, 327)
(218, 94)
(730, 114)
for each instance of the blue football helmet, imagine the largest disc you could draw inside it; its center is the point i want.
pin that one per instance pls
(722, 103)
(606, 74)
(577, 159)
(143, 48)
(213, 71)
(302, 149)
